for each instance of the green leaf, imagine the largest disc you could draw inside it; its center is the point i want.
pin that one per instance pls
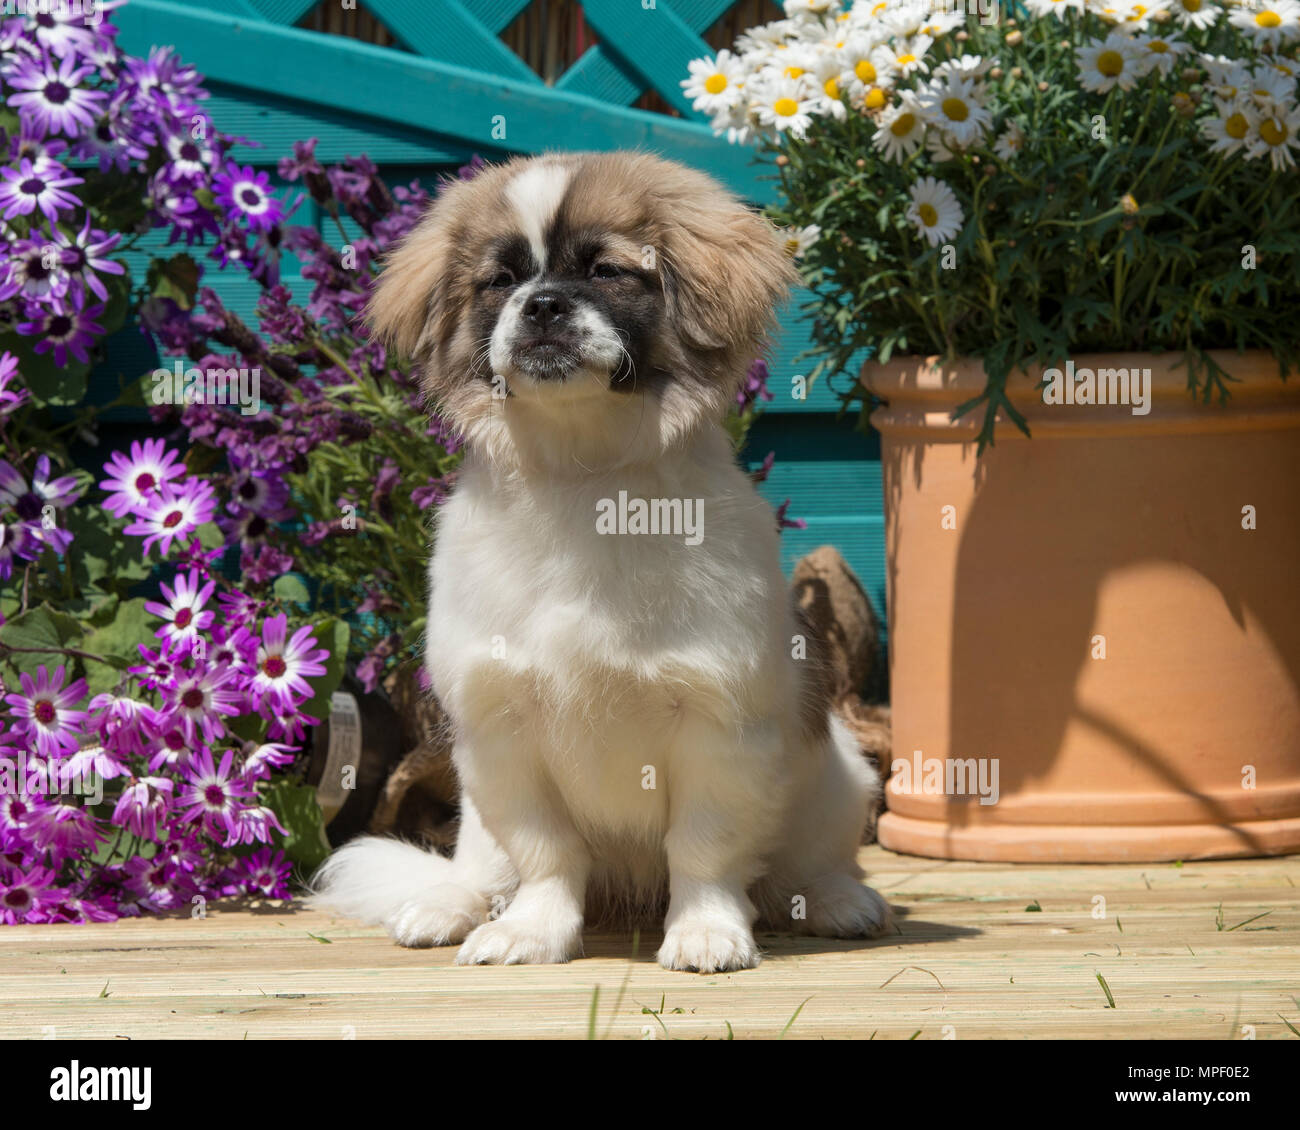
(176, 278)
(49, 384)
(119, 302)
(297, 809)
(290, 588)
(335, 635)
(44, 630)
(117, 641)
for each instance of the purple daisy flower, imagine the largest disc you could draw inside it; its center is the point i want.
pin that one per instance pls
(134, 481)
(32, 271)
(247, 193)
(45, 712)
(11, 398)
(67, 332)
(265, 872)
(198, 699)
(83, 255)
(121, 724)
(27, 896)
(184, 610)
(143, 804)
(49, 95)
(214, 794)
(176, 512)
(283, 663)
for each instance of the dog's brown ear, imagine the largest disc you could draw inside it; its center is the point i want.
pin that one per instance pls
(412, 300)
(726, 270)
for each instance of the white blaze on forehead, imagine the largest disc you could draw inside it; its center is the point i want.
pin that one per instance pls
(536, 194)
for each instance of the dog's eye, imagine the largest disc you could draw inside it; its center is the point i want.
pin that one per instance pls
(502, 278)
(605, 271)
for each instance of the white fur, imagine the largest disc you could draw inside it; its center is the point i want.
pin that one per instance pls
(536, 195)
(580, 668)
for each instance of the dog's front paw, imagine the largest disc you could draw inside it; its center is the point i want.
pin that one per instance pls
(520, 941)
(442, 916)
(703, 945)
(840, 906)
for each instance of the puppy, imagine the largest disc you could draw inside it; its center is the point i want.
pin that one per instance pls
(635, 726)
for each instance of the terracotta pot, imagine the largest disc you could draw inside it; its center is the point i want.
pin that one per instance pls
(1106, 534)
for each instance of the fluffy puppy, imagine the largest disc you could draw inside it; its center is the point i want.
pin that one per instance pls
(635, 726)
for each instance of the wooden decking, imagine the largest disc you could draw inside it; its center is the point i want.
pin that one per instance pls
(1198, 951)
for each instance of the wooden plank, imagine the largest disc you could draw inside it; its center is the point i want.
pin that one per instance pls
(497, 15)
(442, 99)
(446, 31)
(603, 74)
(655, 41)
(969, 961)
(284, 12)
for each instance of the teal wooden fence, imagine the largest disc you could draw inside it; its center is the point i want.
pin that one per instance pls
(444, 88)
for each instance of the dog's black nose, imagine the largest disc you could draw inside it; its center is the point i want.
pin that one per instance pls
(545, 308)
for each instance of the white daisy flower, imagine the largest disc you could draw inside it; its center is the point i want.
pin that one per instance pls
(715, 85)
(1105, 64)
(942, 146)
(901, 129)
(968, 66)
(796, 8)
(1230, 129)
(736, 123)
(952, 105)
(1276, 133)
(1270, 86)
(829, 96)
(1227, 78)
(1158, 52)
(908, 55)
(1011, 142)
(934, 210)
(940, 22)
(765, 36)
(1198, 14)
(866, 64)
(799, 240)
(1138, 14)
(784, 106)
(1268, 22)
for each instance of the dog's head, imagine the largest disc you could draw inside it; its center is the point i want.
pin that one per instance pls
(574, 283)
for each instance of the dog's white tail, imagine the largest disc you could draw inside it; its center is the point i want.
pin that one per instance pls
(371, 878)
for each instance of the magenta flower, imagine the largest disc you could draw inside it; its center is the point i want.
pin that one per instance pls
(51, 99)
(176, 512)
(247, 193)
(63, 332)
(27, 896)
(42, 186)
(283, 664)
(265, 872)
(134, 482)
(11, 398)
(143, 804)
(198, 699)
(184, 610)
(83, 256)
(45, 712)
(215, 795)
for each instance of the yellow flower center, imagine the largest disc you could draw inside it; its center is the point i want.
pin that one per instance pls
(929, 217)
(865, 71)
(904, 60)
(1236, 126)
(879, 8)
(1191, 5)
(715, 84)
(1158, 46)
(793, 72)
(902, 125)
(1273, 132)
(832, 88)
(876, 98)
(785, 107)
(1110, 63)
(1268, 19)
(955, 109)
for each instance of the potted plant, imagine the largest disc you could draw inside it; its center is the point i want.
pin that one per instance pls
(1076, 223)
